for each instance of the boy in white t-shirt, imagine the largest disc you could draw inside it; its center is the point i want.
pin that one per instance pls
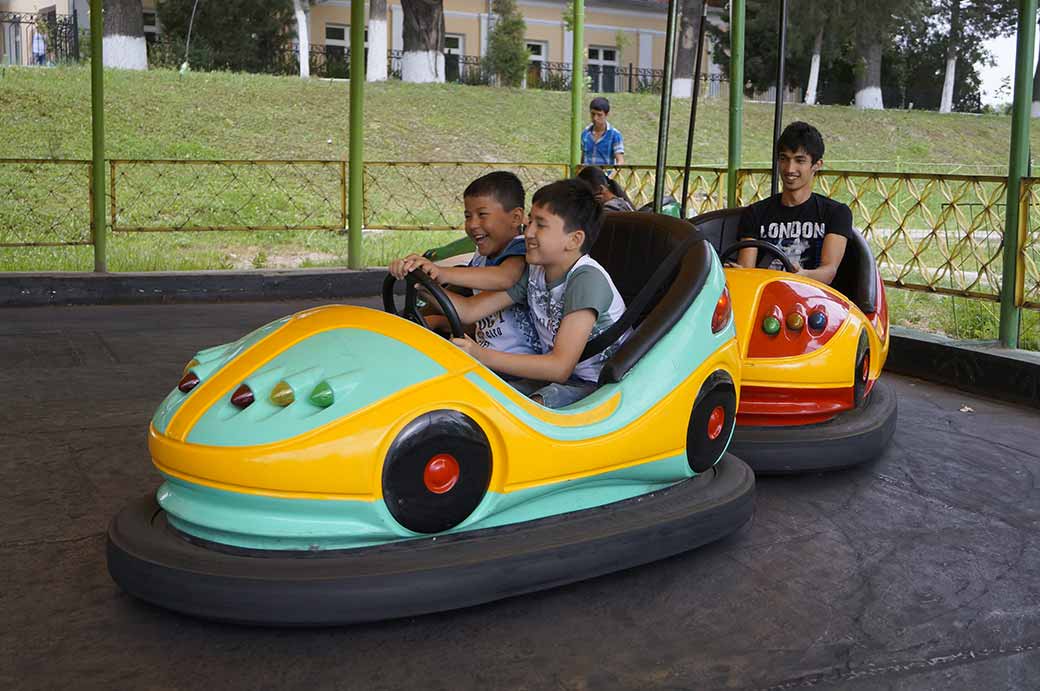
(494, 210)
(571, 299)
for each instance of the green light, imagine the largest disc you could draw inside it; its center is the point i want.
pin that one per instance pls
(323, 396)
(771, 325)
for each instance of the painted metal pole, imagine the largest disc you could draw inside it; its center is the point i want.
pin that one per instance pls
(97, 120)
(666, 104)
(778, 107)
(357, 135)
(736, 98)
(577, 82)
(693, 109)
(1018, 163)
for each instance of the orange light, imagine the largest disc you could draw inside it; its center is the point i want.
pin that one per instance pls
(723, 311)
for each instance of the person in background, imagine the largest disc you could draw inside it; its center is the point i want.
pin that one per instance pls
(601, 143)
(608, 192)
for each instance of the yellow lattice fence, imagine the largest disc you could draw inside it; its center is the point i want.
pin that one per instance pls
(45, 202)
(936, 233)
(428, 196)
(706, 191)
(163, 196)
(1029, 244)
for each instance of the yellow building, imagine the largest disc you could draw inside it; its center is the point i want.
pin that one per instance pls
(622, 37)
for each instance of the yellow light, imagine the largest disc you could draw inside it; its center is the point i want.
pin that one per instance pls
(282, 394)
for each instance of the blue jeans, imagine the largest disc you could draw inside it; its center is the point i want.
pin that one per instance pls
(555, 395)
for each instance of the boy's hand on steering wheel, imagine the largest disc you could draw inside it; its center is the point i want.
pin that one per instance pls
(412, 262)
(469, 346)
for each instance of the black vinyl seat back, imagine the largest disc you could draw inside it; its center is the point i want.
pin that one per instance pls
(719, 227)
(857, 274)
(856, 278)
(631, 246)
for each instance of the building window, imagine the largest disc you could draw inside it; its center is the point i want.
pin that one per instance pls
(454, 44)
(335, 42)
(151, 27)
(603, 62)
(539, 53)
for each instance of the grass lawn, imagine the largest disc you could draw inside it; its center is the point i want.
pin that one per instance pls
(161, 115)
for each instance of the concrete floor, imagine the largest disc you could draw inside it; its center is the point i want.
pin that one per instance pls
(921, 571)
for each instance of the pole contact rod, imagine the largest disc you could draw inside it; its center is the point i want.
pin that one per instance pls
(693, 110)
(666, 105)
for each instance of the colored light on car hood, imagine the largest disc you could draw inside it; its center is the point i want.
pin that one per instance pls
(243, 397)
(771, 325)
(282, 394)
(323, 395)
(795, 321)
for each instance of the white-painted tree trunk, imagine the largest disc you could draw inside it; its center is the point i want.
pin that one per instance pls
(868, 81)
(814, 69)
(377, 49)
(125, 52)
(682, 88)
(422, 66)
(303, 36)
(123, 44)
(1035, 110)
(946, 103)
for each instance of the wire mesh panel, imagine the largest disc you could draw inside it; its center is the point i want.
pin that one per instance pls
(428, 196)
(157, 196)
(939, 233)
(44, 202)
(706, 192)
(1029, 247)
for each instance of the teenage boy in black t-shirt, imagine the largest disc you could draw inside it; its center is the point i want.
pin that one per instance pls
(810, 229)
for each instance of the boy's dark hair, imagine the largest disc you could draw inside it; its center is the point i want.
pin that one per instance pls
(597, 178)
(502, 186)
(801, 135)
(575, 202)
(600, 103)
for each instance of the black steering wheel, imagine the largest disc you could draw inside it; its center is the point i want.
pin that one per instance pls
(411, 299)
(763, 247)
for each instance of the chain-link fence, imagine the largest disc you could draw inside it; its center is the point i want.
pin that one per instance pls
(158, 196)
(428, 196)
(45, 203)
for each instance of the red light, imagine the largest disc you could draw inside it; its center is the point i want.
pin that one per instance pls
(723, 312)
(441, 474)
(188, 382)
(716, 421)
(243, 397)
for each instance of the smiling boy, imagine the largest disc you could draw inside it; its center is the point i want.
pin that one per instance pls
(810, 229)
(571, 299)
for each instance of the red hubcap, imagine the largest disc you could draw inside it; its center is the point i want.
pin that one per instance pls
(441, 474)
(716, 421)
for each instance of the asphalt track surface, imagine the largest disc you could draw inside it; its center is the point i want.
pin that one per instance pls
(920, 571)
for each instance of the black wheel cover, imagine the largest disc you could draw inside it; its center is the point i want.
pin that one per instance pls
(701, 451)
(859, 386)
(404, 490)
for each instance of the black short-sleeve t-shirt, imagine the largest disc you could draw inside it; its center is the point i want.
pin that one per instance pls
(797, 230)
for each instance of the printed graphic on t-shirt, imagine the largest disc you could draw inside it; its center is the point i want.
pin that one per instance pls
(800, 242)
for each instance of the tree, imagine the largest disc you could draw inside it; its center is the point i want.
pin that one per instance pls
(507, 55)
(243, 35)
(301, 8)
(124, 45)
(423, 59)
(970, 22)
(873, 25)
(686, 55)
(376, 66)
